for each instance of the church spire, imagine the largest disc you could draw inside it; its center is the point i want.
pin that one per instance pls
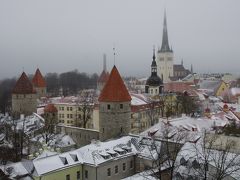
(165, 45)
(154, 64)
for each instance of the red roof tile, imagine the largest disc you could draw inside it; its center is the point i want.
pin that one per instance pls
(50, 108)
(38, 80)
(179, 87)
(23, 86)
(103, 77)
(115, 89)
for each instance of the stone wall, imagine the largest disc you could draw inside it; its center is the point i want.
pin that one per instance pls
(114, 119)
(24, 104)
(41, 91)
(80, 136)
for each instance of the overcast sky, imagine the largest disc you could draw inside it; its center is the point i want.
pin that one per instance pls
(63, 35)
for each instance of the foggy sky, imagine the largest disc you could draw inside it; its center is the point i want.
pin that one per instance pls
(63, 35)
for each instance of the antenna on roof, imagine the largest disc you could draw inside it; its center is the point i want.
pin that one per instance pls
(23, 69)
(114, 53)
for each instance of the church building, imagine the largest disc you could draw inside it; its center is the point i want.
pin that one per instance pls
(167, 70)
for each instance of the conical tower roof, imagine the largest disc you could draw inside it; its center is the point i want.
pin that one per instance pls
(23, 85)
(38, 80)
(103, 77)
(115, 89)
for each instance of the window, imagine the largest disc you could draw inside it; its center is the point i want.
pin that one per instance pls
(70, 108)
(116, 169)
(78, 175)
(68, 177)
(79, 109)
(131, 164)
(124, 166)
(109, 171)
(86, 174)
(108, 107)
(67, 108)
(67, 115)
(71, 116)
(121, 106)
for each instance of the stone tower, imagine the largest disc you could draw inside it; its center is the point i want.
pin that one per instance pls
(39, 84)
(24, 99)
(165, 56)
(114, 108)
(154, 84)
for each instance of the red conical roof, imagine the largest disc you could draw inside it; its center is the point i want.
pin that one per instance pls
(23, 86)
(50, 108)
(103, 77)
(115, 89)
(38, 80)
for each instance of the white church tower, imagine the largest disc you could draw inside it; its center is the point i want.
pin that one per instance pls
(165, 56)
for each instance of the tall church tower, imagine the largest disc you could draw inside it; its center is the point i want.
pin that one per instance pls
(114, 108)
(165, 56)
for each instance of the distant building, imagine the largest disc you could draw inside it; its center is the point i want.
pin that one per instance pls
(104, 75)
(24, 99)
(154, 84)
(39, 84)
(114, 108)
(167, 70)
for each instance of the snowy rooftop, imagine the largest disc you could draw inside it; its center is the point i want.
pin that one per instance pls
(95, 154)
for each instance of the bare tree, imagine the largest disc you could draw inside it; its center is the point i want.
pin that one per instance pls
(213, 158)
(163, 155)
(85, 106)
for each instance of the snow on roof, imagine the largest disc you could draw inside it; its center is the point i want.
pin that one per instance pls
(14, 169)
(30, 123)
(194, 152)
(40, 111)
(138, 99)
(52, 163)
(199, 124)
(62, 140)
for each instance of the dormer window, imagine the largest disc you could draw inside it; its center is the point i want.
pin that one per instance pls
(64, 160)
(74, 157)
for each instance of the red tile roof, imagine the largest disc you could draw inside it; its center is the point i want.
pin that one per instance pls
(115, 89)
(50, 108)
(38, 80)
(23, 86)
(103, 77)
(179, 87)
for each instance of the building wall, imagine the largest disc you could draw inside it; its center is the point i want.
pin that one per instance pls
(223, 87)
(141, 119)
(165, 65)
(96, 118)
(80, 136)
(114, 119)
(71, 115)
(61, 174)
(24, 104)
(102, 170)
